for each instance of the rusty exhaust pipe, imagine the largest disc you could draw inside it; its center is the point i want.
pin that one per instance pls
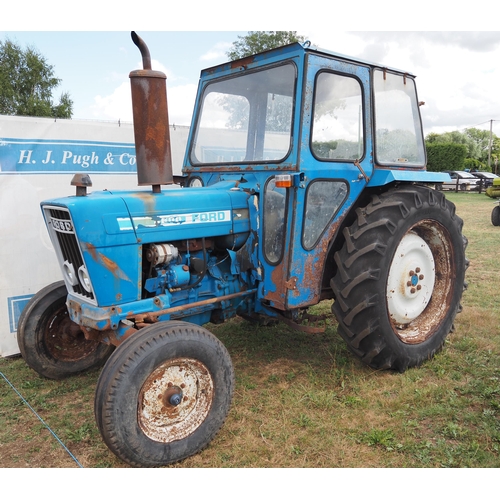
(151, 126)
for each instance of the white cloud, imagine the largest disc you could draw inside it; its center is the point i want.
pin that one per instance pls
(118, 104)
(218, 51)
(181, 103)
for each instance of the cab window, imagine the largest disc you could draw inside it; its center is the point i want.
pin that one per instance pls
(337, 132)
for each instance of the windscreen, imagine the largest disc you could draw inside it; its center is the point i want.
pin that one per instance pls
(246, 119)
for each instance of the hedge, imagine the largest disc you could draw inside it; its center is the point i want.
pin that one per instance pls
(445, 156)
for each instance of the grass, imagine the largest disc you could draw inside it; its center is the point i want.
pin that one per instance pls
(302, 400)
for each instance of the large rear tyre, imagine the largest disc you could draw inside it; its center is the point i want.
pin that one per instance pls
(164, 394)
(400, 277)
(50, 343)
(495, 216)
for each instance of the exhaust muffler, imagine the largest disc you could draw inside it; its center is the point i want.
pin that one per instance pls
(151, 126)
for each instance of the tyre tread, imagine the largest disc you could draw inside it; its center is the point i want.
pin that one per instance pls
(117, 372)
(360, 269)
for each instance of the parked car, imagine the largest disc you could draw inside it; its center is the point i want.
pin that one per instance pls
(487, 178)
(466, 181)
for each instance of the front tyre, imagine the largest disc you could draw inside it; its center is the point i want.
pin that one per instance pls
(400, 277)
(50, 343)
(495, 216)
(164, 394)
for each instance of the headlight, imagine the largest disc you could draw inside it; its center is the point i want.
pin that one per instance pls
(69, 272)
(84, 278)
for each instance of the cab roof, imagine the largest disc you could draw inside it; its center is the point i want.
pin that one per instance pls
(286, 52)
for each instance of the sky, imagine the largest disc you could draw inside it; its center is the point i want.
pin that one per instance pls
(458, 71)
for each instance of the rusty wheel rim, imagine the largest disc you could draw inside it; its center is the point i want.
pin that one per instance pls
(175, 400)
(65, 340)
(429, 266)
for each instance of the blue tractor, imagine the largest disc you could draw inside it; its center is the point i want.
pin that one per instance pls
(304, 180)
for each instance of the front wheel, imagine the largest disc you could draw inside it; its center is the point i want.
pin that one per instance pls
(164, 394)
(50, 343)
(400, 277)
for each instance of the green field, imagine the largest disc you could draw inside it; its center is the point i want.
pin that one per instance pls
(302, 400)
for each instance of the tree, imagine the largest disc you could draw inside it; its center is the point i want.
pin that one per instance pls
(27, 82)
(259, 41)
(455, 137)
(481, 138)
(278, 108)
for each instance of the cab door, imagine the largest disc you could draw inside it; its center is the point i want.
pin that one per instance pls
(335, 163)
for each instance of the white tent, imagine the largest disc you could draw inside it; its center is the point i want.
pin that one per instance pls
(38, 158)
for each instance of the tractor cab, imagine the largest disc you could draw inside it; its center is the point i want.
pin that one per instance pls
(313, 133)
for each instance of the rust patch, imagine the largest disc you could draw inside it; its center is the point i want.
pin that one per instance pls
(105, 261)
(242, 63)
(307, 323)
(278, 277)
(109, 264)
(152, 317)
(65, 340)
(175, 400)
(193, 245)
(154, 162)
(148, 199)
(311, 271)
(151, 126)
(116, 341)
(91, 250)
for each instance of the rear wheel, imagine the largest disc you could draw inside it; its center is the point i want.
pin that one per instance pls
(400, 277)
(495, 216)
(164, 394)
(50, 343)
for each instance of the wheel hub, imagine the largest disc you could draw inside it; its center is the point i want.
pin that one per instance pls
(172, 396)
(411, 280)
(65, 340)
(175, 399)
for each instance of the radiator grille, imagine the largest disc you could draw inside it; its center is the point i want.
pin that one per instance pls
(62, 231)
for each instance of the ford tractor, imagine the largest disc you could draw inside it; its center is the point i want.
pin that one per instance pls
(304, 180)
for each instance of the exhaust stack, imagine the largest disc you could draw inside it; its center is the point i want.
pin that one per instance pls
(151, 126)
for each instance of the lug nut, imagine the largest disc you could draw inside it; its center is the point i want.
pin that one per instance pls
(421, 277)
(412, 290)
(417, 270)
